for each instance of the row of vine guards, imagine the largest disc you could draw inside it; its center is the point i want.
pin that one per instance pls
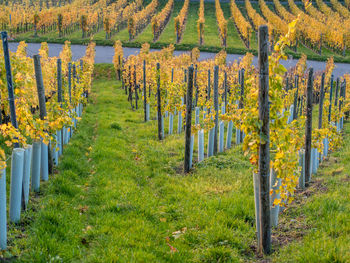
(34, 162)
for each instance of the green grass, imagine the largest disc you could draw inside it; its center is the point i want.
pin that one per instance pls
(211, 33)
(120, 196)
(168, 35)
(190, 35)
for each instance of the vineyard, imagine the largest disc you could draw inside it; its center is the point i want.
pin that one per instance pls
(323, 30)
(161, 157)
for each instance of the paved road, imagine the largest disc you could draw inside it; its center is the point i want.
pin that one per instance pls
(104, 54)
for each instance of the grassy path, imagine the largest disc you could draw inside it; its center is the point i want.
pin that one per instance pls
(211, 33)
(119, 196)
(190, 36)
(120, 199)
(168, 34)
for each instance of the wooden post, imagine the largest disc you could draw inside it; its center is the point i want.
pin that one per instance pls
(42, 112)
(10, 88)
(187, 165)
(159, 109)
(264, 147)
(308, 127)
(195, 85)
(336, 93)
(185, 81)
(136, 97)
(59, 80)
(135, 87)
(342, 95)
(241, 105)
(172, 75)
(119, 62)
(208, 91)
(287, 84)
(295, 110)
(216, 107)
(69, 80)
(239, 76)
(11, 97)
(123, 81)
(130, 89)
(330, 100)
(74, 75)
(144, 90)
(40, 87)
(320, 109)
(225, 87)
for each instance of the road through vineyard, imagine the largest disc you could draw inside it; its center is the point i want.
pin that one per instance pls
(104, 54)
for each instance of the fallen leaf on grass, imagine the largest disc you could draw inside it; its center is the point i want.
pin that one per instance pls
(337, 171)
(172, 249)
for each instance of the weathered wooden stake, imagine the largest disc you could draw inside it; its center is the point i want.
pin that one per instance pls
(10, 88)
(11, 97)
(69, 80)
(264, 147)
(241, 100)
(135, 87)
(195, 86)
(130, 89)
(45, 153)
(187, 165)
(320, 110)
(208, 91)
(172, 75)
(59, 80)
(144, 90)
(159, 108)
(336, 93)
(40, 86)
(308, 127)
(119, 73)
(330, 100)
(225, 87)
(216, 107)
(295, 110)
